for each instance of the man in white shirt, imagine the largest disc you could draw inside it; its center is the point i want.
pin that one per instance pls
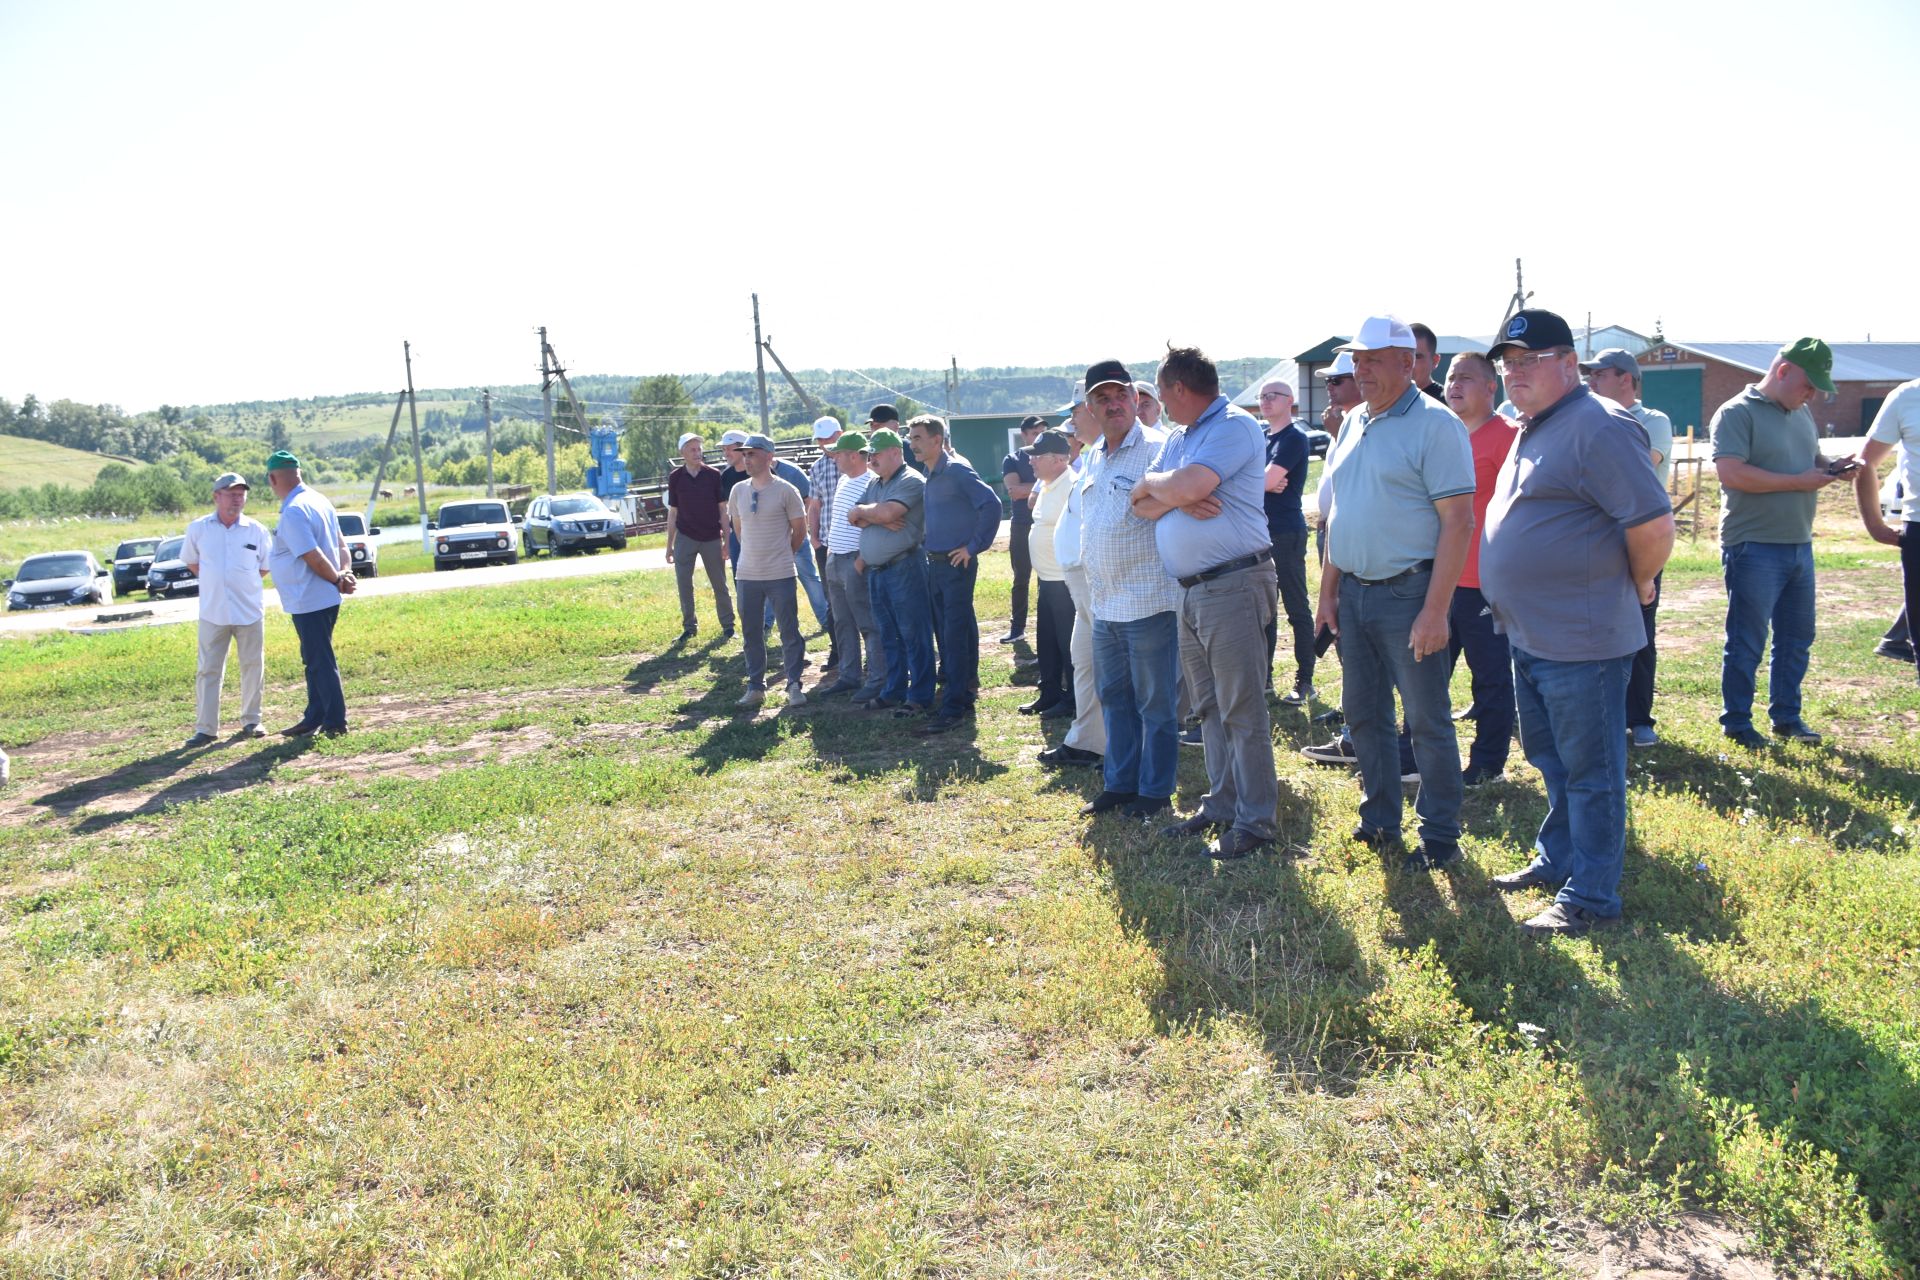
(862, 669)
(227, 552)
(1085, 743)
(1896, 430)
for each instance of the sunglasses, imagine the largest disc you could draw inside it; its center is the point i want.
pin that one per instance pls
(1336, 381)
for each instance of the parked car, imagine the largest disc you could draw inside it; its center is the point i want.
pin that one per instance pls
(131, 560)
(1318, 442)
(360, 544)
(475, 531)
(169, 575)
(571, 522)
(55, 578)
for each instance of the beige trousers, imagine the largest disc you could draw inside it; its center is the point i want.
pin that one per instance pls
(1089, 729)
(248, 638)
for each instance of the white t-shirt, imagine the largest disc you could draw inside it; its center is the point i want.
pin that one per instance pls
(231, 559)
(843, 537)
(1898, 423)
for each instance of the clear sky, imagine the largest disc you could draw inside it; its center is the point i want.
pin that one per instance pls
(206, 202)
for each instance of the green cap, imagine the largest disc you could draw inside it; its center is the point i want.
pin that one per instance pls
(1814, 358)
(883, 439)
(281, 460)
(851, 442)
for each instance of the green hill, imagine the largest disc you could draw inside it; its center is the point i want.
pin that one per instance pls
(26, 464)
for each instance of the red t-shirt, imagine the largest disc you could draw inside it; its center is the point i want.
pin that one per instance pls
(1491, 445)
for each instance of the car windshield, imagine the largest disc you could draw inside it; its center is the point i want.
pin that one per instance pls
(56, 566)
(170, 549)
(137, 547)
(578, 507)
(352, 526)
(455, 514)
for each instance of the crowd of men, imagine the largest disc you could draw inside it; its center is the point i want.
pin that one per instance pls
(1167, 532)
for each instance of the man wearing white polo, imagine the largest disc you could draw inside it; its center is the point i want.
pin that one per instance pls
(227, 551)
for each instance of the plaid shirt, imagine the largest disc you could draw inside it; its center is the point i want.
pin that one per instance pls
(1125, 575)
(826, 478)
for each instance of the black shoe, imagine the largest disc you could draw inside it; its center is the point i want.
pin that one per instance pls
(300, 730)
(1525, 878)
(1334, 717)
(1198, 825)
(1012, 636)
(1565, 919)
(1748, 738)
(1479, 775)
(197, 741)
(334, 731)
(726, 634)
(938, 725)
(1235, 843)
(688, 634)
(1898, 650)
(1468, 712)
(835, 689)
(908, 710)
(1060, 711)
(1028, 676)
(251, 731)
(1107, 800)
(1798, 731)
(1376, 839)
(1063, 755)
(1433, 855)
(1150, 806)
(1300, 696)
(1038, 707)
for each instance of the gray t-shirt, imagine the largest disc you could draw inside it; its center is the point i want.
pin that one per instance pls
(1386, 473)
(1754, 428)
(1553, 552)
(1659, 429)
(762, 519)
(880, 545)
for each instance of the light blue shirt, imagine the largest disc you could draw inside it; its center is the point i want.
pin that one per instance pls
(307, 523)
(1386, 473)
(1659, 429)
(1231, 443)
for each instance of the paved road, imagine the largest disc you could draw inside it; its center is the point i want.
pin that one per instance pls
(86, 620)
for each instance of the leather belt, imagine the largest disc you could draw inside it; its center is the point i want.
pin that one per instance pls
(1231, 566)
(1425, 566)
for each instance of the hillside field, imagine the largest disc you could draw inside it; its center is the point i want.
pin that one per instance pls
(26, 464)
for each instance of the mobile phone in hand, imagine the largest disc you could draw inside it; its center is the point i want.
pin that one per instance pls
(1842, 466)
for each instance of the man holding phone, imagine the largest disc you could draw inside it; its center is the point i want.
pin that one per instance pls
(1766, 450)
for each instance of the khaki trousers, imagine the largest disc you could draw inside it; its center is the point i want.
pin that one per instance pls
(248, 638)
(1089, 730)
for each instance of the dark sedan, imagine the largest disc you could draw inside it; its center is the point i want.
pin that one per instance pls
(55, 578)
(169, 575)
(571, 522)
(131, 560)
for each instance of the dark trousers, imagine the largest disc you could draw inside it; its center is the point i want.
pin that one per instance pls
(1898, 631)
(956, 629)
(1022, 557)
(326, 700)
(833, 632)
(1054, 625)
(1290, 562)
(1910, 572)
(1490, 662)
(1640, 679)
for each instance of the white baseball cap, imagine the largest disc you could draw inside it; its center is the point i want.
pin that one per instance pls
(1380, 333)
(1342, 366)
(733, 438)
(691, 435)
(825, 427)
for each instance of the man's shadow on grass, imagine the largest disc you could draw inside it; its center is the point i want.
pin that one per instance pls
(244, 769)
(1667, 1046)
(1736, 780)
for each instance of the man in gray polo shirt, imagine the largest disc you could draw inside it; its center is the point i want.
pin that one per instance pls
(1615, 374)
(1766, 450)
(1578, 529)
(1399, 515)
(1205, 497)
(891, 517)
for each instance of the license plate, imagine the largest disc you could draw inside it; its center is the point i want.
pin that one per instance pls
(473, 555)
(183, 582)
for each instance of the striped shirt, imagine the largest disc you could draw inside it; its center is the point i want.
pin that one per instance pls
(841, 536)
(1126, 579)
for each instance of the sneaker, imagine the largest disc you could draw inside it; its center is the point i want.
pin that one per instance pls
(251, 731)
(726, 634)
(1747, 738)
(688, 633)
(1037, 707)
(1898, 650)
(1107, 800)
(1411, 775)
(1468, 712)
(1012, 637)
(796, 696)
(752, 698)
(1563, 918)
(1339, 751)
(197, 741)
(1525, 878)
(1433, 855)
(1300, 696)
(908, 710)
(1063, 755)
(1190, 737)
(1642, 735)
(1798, 731)
(1198, 825)
(1479, 775)
(1332, 719)
(1150, 807)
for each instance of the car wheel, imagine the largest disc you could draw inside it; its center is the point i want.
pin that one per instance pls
(513, 557)
(373, 571)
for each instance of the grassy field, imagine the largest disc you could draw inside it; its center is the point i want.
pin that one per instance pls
(25, 463)
(559, 966)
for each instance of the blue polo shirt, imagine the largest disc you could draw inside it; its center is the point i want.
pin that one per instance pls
(1386, 473)
(307, 523)
(962, 509)
(1228, 441)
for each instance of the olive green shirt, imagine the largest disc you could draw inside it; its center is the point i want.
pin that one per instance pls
(1758, 431)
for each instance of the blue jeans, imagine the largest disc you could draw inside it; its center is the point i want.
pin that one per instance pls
(958, 631)
(1490, 663)
(1767, 583)
(905, 616)
(1136, 666)
(1573, 728)
(1376, 659)
(326, 700)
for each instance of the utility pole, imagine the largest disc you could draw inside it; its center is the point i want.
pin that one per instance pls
(380, 472)
(1589, 335)
(546, 398)
(486, 401)
(419, 467)
(953, 391)
(813, 406)
(1518, 301)
(760, 364)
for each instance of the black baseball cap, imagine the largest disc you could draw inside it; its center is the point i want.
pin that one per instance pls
(1033, 421)
(1108, 371)
(1053, 442)
(883, 413)
(1532, 331)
